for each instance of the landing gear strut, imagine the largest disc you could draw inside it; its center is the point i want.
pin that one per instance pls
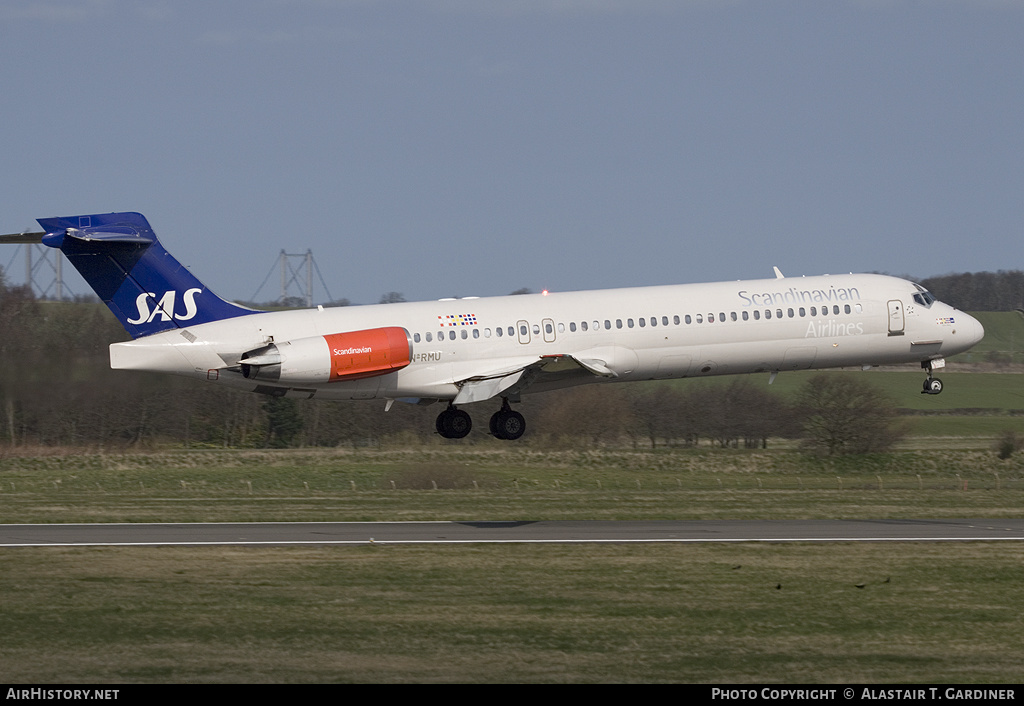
(453, 423)
(932, 386)
(506, 423)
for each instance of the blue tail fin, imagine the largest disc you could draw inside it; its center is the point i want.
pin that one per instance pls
(121, 259)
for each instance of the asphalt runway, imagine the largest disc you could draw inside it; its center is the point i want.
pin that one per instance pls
(362, 533)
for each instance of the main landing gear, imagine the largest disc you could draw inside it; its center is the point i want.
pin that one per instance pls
(453, 423)
(505, 424)
(932, 386)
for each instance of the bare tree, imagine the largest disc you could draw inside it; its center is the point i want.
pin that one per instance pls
(844, 414)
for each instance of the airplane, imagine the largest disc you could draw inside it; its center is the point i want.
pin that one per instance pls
(459, 351)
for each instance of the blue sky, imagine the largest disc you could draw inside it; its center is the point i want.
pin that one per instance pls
(472, 147)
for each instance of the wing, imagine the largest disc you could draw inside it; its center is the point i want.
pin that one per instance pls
(515, 376)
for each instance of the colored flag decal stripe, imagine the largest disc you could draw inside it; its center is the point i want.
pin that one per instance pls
(457, 320)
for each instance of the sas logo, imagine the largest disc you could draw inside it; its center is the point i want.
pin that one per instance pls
(165, 307)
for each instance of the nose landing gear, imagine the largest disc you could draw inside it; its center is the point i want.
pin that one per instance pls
(932, 386)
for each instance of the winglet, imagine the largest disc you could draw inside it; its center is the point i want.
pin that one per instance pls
(778, 273)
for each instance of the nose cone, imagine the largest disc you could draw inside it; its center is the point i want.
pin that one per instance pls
(975, 331)
(969, 331)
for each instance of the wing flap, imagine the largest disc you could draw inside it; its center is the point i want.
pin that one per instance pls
(516, 377)
(480, 390)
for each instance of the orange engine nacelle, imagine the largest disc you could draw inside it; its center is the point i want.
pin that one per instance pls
(337, 356)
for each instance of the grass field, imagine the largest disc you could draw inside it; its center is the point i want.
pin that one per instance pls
(517, 613)
(782, 613)
(644, 613)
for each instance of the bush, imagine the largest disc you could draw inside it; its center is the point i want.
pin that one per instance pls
(1008, 444)
(846, 415)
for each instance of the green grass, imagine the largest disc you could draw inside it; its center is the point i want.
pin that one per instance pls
(1004, 333)
(521, 613)
(511, 613)
(997, 393)
(323, 485)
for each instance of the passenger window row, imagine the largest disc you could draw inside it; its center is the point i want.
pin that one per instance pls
(643, 322)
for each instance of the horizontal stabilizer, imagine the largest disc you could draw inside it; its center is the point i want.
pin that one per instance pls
(22, 238)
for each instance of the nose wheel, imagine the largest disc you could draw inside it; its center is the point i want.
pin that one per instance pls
(932, 386)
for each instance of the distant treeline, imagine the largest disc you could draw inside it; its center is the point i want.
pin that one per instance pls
(979, 291)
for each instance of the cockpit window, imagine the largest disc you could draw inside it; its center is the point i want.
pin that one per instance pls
(923, 296)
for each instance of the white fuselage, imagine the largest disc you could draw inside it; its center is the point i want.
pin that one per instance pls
(642, 333)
